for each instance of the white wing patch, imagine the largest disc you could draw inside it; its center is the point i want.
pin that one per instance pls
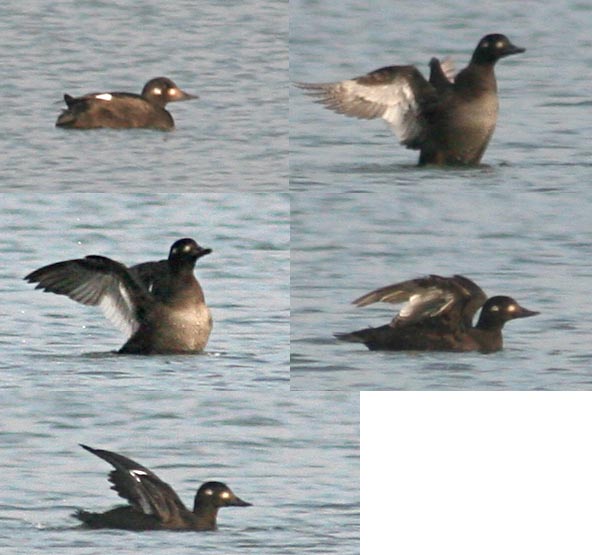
(118, 308)
(143, 496)
(104, 96)
(447, 65)
(91, 281)
(402, 112)
(394, 101)
(428, 303)
(137, 474)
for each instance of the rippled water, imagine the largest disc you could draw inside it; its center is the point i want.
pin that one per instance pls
(484, 233)
(541, 136)
(272, 450)
(234, 55)
(361, 215)
(245, 281)
(364, 216)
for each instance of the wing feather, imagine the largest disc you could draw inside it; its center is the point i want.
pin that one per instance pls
(96, 281)
(428, 297)
(144, 490)
(396, 94)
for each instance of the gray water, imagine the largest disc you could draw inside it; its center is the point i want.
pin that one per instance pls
(285, 266)
(245, 282)
(234, 55)
(295, 458)
(544, 123)
(226, 414)
(363, 216)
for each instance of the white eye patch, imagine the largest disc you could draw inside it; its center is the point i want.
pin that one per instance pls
(495, 308)
(225, 495)
(157, 90)
(208, 492)
(104, 96)
(512, 308)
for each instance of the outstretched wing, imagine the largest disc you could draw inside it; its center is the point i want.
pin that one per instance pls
(428, 297)
(397, 94)
(144, 490)
(96, 281)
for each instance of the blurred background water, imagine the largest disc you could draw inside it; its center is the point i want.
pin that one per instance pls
(296, 458)
(245, 281)
(226, 414)
(495, 236)
(234, 55)
(544, 122)
(364, 216)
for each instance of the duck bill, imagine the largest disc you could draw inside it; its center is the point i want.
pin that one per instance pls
(513, 49)
(178, 94)
(238, 502)
(202, 252)
(525, 313)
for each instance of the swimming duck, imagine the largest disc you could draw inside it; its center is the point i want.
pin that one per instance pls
(450, 120)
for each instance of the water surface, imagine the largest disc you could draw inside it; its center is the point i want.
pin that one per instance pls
(295, 458)
(245, 282)
(364, 216)
(233, 55)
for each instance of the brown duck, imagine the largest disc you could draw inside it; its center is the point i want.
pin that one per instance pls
(122, 110)
(450, 120)
(159, 305)
(438, 316)
(153, 504)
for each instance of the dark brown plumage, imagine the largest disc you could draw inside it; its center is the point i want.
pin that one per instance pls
(438, 316)
(159, 305)
(120, 110)
(153, 504)
(449, 120)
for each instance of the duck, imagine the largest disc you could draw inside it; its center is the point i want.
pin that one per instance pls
(438, 316)
(152, 503)
(159, 305)
(123, 110)
(449, 119)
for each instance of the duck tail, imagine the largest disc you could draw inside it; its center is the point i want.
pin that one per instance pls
(352, 337)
